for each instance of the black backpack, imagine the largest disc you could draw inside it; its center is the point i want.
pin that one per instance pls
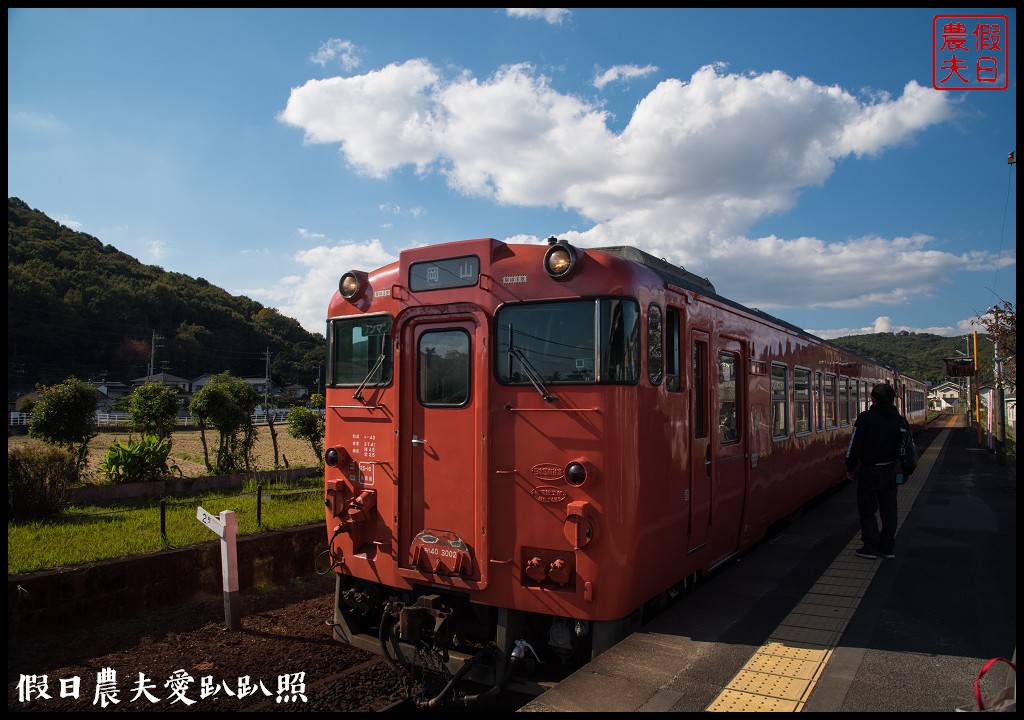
(908, 450)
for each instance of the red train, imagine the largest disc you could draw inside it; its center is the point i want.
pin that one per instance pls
(527, 446)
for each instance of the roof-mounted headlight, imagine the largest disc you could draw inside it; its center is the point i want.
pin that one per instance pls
(560, 260)
(351, 284)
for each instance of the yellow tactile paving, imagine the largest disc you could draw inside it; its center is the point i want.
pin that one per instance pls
(782, 673)
(732, 701)
(776, 649)
(776, 686)
(789, 667)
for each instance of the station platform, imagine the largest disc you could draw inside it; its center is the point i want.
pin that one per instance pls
(801, 624)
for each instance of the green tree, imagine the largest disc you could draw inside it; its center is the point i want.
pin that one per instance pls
(306, 424)
(1000, 322)
(65, 416)
(152, 409)
(226, 404)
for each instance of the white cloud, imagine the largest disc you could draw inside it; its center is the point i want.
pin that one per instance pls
(305, 297)
(620, 72)
(720, 149)
(552, 16)
(68, 222)
(157, 249)
(36, 123)
(382, 120)
(698, 163)
(413, 212)
(884, 324)
(346, 53)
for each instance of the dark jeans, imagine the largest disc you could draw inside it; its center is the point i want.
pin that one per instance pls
(876, 492)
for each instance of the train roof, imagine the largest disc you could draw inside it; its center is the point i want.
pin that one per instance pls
(668, 272)
(680, 277)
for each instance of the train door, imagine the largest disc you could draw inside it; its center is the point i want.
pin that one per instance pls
(698, 491)
(440, 500)
(728, 448)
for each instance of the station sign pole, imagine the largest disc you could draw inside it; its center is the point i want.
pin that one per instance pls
(227, 528)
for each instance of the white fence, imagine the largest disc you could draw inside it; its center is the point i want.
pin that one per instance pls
(114, 419)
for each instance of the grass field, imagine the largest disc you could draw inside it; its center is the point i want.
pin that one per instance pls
(187, 451)
(85, 534)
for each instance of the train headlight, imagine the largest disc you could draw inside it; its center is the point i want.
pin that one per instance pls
(579, 471)
(351, 284)
(331, 457)
(560, 260)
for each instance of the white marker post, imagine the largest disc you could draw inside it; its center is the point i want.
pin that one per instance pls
(227, 528)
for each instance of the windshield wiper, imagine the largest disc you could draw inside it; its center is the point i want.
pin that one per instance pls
(531, 373)
(358, 395)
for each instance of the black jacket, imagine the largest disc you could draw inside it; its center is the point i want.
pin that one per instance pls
(876, 437)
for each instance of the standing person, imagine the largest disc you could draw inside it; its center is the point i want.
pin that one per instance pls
(871, 459)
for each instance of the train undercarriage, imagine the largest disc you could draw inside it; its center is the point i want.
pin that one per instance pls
(450, 651)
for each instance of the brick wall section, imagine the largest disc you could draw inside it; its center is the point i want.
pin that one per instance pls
(111, 589)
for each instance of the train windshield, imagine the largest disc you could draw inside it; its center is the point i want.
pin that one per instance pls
(570, 342)
(360, 351)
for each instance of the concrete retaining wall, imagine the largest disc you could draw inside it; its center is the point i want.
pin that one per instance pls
(111, 589)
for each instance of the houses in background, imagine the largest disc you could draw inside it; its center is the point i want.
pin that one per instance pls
(946, 396)
(954, 396)
(263, 387)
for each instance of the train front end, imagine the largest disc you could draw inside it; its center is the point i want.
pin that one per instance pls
(473, 391)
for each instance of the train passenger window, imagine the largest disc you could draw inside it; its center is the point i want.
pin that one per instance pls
(620, 340)
(360, 351)
(700, 354)
(844, 400)
(443, 357)
(801, 400)
(780, 401)
(728, 398)
(577, 341)
(672, 350)
(830, 400)
(655, 347)
(819, 392)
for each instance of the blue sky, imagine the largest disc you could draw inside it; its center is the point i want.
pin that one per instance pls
(801, 159)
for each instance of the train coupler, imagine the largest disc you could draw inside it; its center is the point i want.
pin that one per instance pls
(426, 622)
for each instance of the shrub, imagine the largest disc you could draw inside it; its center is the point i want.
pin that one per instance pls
(308, 425)
(227, 403)
(152, 409)
(65, 416)
(138, 460)
(38, 479)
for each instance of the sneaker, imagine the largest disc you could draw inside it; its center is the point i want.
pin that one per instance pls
(865, 553)
(887, 554)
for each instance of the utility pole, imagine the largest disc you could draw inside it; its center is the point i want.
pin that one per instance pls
(152, 355)
(977, 388)
(998, 425)
(266, 386)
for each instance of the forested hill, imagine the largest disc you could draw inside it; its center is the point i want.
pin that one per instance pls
(919, 355)
(79, 308)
